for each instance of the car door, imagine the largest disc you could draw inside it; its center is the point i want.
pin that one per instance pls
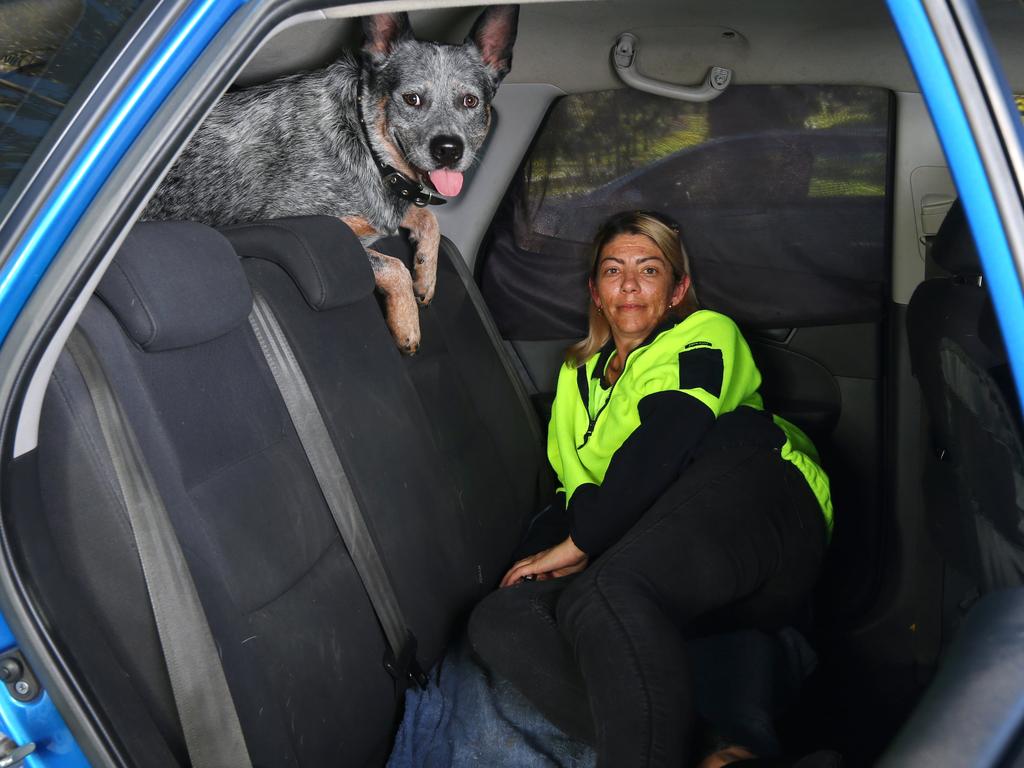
(971, 714)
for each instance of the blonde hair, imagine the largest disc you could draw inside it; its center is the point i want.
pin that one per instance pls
(665, 235)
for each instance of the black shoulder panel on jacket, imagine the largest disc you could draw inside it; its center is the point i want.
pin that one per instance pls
(701, 368)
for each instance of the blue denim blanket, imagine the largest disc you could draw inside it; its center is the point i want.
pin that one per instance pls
(465, 718)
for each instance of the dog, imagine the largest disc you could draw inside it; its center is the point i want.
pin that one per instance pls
(373, 139)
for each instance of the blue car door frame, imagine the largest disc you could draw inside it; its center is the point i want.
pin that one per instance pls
(977, 123)
(973, 711)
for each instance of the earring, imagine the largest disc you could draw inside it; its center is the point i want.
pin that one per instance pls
(600, 311)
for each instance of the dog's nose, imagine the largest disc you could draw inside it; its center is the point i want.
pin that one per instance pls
(446, 150)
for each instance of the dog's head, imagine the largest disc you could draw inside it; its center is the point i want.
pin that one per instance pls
(433, 101)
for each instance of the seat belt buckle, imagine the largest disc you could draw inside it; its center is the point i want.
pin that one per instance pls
(406, 667)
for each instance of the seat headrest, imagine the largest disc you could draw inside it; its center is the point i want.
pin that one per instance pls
(322, 255)
(175, 284)
(953, 248)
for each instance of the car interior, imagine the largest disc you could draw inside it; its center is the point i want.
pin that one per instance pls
(818, 211)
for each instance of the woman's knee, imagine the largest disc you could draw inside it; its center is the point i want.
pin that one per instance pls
(511, 619)
(491, 621)
(610, 590)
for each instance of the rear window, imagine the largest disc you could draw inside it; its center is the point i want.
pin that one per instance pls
(46, 50)
(781, 194)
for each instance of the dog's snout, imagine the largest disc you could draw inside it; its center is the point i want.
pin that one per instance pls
(446, 150)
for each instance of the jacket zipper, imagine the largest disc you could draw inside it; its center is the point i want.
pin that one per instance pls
(589, 432)
(584, 387)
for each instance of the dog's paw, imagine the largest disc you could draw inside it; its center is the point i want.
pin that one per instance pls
(424, 284)
(403, 315)
(404, 324)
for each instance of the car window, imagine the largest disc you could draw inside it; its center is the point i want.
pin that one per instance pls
(781, 193)
(46, 50)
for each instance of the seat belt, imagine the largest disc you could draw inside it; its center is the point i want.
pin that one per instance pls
(213, 735)
(400, 658)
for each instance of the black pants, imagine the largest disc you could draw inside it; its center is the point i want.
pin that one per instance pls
(735, 543)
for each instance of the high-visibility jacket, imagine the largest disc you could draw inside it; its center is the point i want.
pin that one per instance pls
(703, 356)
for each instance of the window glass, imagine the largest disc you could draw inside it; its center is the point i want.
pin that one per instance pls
(780, 193)
(47, 47)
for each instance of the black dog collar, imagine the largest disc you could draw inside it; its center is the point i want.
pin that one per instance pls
(394, 179)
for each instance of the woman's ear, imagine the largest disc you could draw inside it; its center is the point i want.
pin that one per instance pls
(593, 293)
(679, 292)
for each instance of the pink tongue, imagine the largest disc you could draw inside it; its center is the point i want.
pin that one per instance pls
(448, 183)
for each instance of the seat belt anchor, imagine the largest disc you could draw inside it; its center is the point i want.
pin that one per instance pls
(406, 667)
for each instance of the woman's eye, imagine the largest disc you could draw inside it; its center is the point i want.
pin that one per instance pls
(650, 270)
(469, 101)
(412, 99)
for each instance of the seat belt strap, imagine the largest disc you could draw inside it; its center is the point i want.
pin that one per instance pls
(213, 735)
(400, 659)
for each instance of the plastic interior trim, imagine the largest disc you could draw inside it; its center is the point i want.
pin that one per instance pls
(624, 56)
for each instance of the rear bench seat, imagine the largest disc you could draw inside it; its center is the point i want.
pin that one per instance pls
(440, 449)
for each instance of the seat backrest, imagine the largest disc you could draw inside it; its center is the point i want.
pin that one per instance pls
(974, 476)
(413, 443)
(301, 648)
(484, 422)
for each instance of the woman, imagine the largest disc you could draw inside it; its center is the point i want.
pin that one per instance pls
(690, 510)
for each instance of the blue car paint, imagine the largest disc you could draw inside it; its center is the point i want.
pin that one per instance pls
(39, 721)
(965, 163)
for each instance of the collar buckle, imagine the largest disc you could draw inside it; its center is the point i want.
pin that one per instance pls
(404, 187)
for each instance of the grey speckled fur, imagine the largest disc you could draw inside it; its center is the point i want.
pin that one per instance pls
(294, 146)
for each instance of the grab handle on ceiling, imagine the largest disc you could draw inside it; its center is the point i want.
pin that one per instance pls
(624, 55)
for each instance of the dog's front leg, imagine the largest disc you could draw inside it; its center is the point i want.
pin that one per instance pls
(394, 281)
(403, 316)
(423, 228)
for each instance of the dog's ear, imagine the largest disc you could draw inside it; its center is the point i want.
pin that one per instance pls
(494, 34)
(383, 31)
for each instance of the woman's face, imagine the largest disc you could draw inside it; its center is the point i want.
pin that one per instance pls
(634, 287)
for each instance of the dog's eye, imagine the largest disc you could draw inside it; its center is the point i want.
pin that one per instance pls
(469, 101)
(412, 99)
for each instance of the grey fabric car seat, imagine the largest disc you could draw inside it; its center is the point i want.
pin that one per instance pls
(445, 498)
(974, 474)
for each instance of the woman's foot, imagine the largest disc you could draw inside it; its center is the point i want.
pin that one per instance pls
(725, 756)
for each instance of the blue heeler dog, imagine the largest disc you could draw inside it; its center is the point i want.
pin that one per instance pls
(372, 139)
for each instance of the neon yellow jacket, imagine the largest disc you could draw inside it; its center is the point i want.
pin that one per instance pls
(704, 356)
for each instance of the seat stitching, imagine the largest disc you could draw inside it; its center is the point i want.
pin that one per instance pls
(312, 566)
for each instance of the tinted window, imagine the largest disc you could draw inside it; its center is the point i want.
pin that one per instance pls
(780, 192)
(47, 47)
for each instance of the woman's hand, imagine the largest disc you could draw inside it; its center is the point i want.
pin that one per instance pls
(560, 560)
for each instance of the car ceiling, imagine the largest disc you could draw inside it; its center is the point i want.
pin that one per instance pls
(567, 44)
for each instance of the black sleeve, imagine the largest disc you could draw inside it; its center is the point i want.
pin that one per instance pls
(548, 527)
(672, 423)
